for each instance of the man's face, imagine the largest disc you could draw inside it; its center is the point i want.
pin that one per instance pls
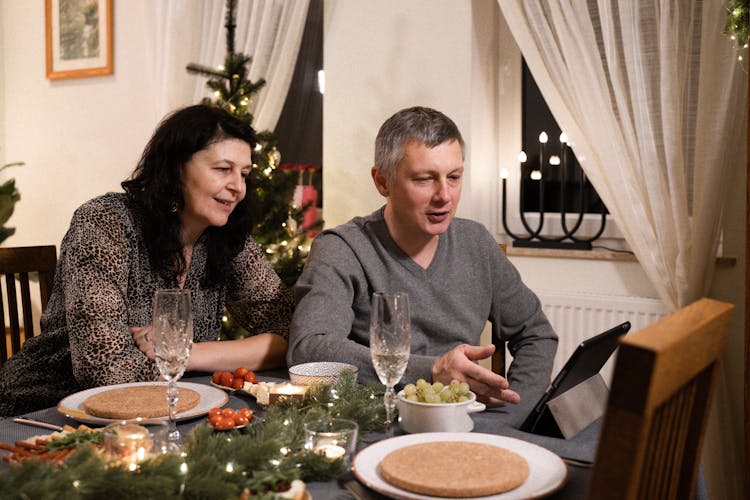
(424, 195)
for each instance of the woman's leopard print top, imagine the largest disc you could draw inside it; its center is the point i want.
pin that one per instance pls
(104, 284)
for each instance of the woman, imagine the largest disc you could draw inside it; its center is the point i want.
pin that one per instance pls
(183, 222)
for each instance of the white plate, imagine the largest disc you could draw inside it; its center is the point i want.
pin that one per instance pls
(547, 471)
(209, 398)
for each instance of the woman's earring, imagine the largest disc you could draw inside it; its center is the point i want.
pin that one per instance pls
(173, 207)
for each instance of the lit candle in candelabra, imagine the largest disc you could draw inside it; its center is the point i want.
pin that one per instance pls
(542, 141)
(522, 159)
(537, 173)
(534, 237)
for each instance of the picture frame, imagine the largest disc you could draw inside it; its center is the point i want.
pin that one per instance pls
(79, 38)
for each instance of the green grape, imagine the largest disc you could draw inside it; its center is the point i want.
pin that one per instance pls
(425, 392)
(446, 395)
(431, 398)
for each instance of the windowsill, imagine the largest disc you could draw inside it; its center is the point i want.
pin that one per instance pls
(594, 254)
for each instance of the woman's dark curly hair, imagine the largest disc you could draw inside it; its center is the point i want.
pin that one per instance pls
(155, 188)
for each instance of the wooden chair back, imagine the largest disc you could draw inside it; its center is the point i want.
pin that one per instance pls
(656, 415)
(16, 263)
(498, 357)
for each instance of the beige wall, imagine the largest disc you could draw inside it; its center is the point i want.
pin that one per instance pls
(80, 138)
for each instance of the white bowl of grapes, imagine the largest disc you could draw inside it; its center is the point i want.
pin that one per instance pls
(437, 407)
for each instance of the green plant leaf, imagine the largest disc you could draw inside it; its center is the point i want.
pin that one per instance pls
(6, 232)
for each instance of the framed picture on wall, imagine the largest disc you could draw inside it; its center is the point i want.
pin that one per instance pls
(79, 38)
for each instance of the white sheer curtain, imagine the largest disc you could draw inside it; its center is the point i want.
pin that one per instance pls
(192, 31)
(648, 92)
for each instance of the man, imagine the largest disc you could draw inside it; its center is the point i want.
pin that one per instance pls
(454, 272)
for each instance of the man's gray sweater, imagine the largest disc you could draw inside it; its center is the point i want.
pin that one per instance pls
(469, 282)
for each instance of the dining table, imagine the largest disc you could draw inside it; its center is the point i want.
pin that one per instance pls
(577, 453)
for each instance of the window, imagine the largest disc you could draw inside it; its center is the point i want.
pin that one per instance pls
(300, 128)
(559, 161)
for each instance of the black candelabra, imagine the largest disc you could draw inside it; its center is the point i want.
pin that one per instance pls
(535, 239)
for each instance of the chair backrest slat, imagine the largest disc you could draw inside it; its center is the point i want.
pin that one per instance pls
(13, 319)
(656, 416)
(28, 322)
(17, 264)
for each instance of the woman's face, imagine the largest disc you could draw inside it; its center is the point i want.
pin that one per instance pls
(213, 183)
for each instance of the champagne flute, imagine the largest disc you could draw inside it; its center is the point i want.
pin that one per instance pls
(172, 332)
(390, 342)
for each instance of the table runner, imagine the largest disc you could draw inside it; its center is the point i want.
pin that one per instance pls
(581, 447)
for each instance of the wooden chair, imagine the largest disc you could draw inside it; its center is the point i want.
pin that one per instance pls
(657, 411)
(15, 265)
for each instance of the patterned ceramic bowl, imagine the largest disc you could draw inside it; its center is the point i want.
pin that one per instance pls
(323, 372)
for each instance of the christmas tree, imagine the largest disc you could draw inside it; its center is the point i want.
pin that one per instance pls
(277, 218)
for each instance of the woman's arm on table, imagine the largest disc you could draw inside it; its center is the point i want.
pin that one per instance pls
(259, 352)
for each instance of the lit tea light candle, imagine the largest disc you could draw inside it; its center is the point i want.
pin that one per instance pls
(286, 391)
(333, 438)
(331, 451)
(128, 444)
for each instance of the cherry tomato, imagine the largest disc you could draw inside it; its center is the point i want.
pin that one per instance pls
(226, 379)
(240, 372)
(250, 377)
(238, 383)
(214, 411)
(214, 419)
(240, 420)
(225, 423)
(216, 378)
(246, 412)
(227, 412)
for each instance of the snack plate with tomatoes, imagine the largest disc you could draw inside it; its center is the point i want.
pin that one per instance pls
(245, 381)
(233, 381)
(225, 419)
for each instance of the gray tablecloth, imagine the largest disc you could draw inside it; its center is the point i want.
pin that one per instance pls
(581, 448)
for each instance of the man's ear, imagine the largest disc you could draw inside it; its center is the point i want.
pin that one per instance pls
(381, 183)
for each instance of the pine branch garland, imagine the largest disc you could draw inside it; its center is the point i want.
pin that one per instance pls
(212, 464)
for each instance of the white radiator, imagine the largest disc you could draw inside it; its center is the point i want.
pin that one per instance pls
(576, 317)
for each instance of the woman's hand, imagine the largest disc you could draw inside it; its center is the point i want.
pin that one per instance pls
(143, 340)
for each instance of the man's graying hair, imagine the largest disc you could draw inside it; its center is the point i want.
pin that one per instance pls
(418, 124)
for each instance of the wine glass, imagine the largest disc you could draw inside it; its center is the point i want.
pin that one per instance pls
(172, 332)
(390, 342)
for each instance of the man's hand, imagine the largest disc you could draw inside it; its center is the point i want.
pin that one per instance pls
(459, 363)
